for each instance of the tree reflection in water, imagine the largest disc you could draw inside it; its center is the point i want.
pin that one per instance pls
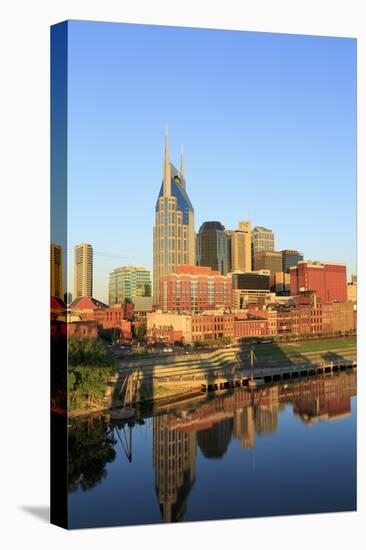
(90, 448)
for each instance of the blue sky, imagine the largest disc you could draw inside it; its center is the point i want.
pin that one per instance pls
(268, 124)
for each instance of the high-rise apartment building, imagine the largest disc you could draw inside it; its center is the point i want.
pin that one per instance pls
(83, 270)
(211, 247)
(174, 235)
(56, 271)
(271, 261)
(241, 253)
(128, 282)
(290, 258)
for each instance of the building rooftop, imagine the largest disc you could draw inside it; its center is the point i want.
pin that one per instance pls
(87, 303)
(206, 226)
(260, 228)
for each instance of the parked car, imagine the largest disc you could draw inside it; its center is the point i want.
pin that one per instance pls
(167, 350)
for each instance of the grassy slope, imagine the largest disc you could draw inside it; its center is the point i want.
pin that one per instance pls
(298, 350)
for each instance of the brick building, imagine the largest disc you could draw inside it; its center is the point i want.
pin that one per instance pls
(328, 280)
(83, 329)
(194, 288)
(89, 309)
(339, 317)
(211, 326)
(251, 326)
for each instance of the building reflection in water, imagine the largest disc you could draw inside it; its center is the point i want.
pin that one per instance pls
(174, 459)
(214, 441)
(239, 414)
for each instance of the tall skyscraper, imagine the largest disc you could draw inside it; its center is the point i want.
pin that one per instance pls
(211, 247)
(229, 238)
(262, 240)
(83, 270)
(268, 260)
(128, 282)
(241, 253)
(290, 258)
(56, 271)
(174, 235)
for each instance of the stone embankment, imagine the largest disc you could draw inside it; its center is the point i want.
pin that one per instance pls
(162, 377)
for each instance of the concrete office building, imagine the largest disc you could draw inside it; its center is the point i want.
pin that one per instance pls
(241, 252)
(268, 260)
(262, 239)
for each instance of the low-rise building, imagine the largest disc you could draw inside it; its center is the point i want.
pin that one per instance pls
(169, 327)
(251, 326)
(142, 305)
(117, 316)
(339, 317)
(82, 329)
(212, 326)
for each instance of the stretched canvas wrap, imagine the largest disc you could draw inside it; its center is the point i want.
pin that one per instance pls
(203, 274)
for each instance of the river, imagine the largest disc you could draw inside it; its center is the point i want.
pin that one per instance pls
(284, 449)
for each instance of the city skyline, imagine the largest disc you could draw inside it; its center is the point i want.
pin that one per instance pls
(211, 301)
(262, 138)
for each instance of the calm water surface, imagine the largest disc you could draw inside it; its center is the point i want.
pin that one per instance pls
(286, 449)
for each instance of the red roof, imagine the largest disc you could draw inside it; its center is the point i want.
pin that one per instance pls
(87, 303)
(57, 303)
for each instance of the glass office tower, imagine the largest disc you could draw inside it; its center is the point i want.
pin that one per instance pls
(211, 247)
(174, 235)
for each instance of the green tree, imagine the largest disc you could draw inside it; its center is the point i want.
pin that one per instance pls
(88, 351)
(87, 385)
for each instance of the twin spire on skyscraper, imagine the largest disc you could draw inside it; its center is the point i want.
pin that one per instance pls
(167, 173)
(167, 168)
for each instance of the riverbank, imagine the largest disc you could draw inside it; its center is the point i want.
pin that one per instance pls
(162, 379)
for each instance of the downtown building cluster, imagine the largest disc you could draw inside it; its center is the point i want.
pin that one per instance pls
(220, 283)
(233, 283)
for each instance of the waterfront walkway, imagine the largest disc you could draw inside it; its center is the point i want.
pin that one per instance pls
(274, 374)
